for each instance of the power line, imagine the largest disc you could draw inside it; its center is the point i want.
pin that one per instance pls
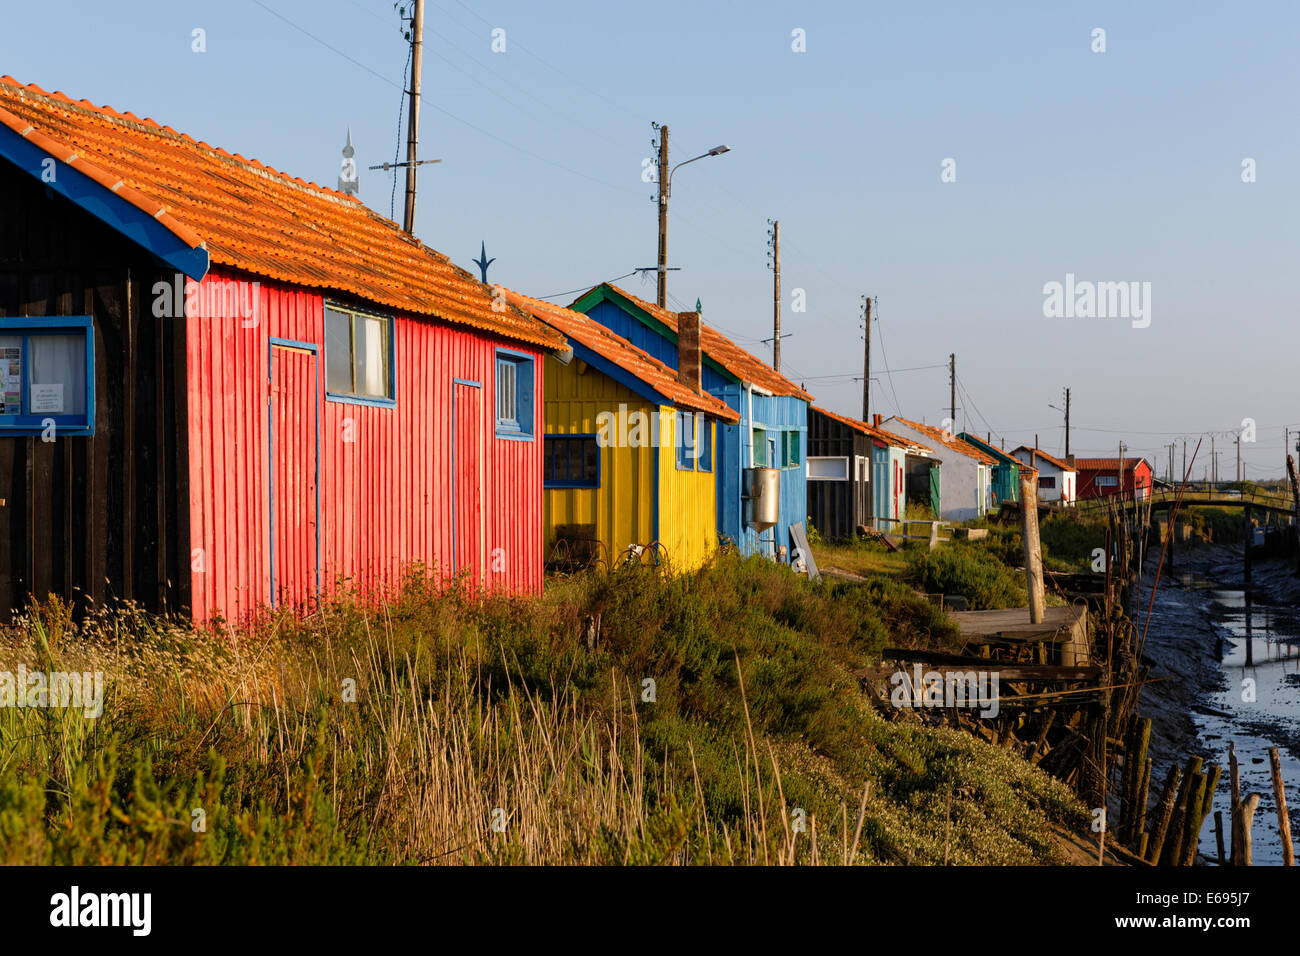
(584, 288)
(898, 408)
(431, 105)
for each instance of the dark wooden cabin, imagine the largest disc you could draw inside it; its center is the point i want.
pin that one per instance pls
(840, 452)
(96, 507)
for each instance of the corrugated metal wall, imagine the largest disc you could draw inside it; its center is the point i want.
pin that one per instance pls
(688, 517)
(622, 508)
(386, 473)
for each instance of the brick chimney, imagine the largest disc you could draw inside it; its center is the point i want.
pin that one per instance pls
(875, 419)
(688, 349)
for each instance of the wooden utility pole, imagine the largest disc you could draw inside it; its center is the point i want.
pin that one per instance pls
(776, 295)
(1067, 424)
(662, 284)
(952, 384)
(413, 124)
(1238, 458)
(866, 360)
(1033, 549)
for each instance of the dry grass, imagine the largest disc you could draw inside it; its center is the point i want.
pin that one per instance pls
(442, 729)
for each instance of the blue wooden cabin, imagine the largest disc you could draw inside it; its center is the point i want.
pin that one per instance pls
(773, 428)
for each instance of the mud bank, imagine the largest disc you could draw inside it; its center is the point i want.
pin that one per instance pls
(1228, 663)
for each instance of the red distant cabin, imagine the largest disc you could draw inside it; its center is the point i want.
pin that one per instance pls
(1103, 477)
(257, 386)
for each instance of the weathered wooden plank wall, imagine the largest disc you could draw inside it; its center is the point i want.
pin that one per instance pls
(101, 517)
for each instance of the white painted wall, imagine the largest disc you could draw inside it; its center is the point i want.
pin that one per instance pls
(965, 484)
(1067, 482)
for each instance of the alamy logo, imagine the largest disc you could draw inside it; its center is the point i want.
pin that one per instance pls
(624, 429)
(75, 908)
(1098, 300)
(946, 689)
(58, 689)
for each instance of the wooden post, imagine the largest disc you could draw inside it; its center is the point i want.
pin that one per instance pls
(1234, 788)
(1172, 852)
(1135, 756)
(1279, 795)
(1295, 505)
(1140, 819)
(1218, 836)
(1193, 821)
(1250, 537)
(1033, 549)
(1247, 814)
(1164, 811)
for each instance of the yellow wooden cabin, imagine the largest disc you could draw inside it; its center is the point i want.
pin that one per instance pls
(630, 448)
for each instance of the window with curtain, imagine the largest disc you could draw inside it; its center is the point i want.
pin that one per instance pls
(47, 375)
(358, 355)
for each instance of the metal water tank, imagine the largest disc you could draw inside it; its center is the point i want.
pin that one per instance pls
(763, 492)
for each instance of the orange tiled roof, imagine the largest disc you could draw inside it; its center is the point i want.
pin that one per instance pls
(253, 218)
(624, 354)
(1106, 464)
(1050, 459)
(956, 444)
(889, 438)
(744, 365)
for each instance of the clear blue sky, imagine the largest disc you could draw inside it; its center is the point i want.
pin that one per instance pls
(1115, 166)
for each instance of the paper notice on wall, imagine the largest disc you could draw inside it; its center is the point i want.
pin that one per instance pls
(11, 381)
(46, 399)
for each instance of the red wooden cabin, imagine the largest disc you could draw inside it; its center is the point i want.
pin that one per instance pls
(281, 389)
(1104, 477)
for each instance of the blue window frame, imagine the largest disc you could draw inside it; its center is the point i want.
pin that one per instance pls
(690, 428)
(515, 395)
(47, 375)
(360, 357)
(685, 441)
(570, 461)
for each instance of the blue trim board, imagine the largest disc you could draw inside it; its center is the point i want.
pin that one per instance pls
(105, 205)
(65, 425)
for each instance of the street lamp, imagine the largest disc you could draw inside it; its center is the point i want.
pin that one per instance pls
(665, 190)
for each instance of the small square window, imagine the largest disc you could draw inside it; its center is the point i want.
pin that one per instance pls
(358, 356)
(570, 461)
(47, 372)
(790, 456)
(760, 448)
(514, 395)
(706, 432)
